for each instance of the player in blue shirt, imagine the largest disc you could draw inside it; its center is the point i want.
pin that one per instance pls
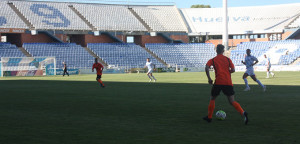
(250, 61)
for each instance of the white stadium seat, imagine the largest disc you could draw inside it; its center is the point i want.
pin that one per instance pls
(161, 18)
(295, 23)
(8, 18)
(47, 15)
(110, 17)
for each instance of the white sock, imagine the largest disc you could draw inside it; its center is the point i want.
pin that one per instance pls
(268, 74)
(153, 77)
(259, 83)
(149, 77)
(272, 73)
(246, 82)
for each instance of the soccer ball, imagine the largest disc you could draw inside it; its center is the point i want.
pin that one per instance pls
(221, 115)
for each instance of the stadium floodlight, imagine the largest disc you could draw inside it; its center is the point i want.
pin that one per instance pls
(225, 25)
(33, 32)
(153, 34)
(96, 33)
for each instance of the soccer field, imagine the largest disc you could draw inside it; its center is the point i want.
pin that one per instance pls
(129, 110)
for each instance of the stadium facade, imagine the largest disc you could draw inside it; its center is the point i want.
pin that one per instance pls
(245, 24)
(102, 29)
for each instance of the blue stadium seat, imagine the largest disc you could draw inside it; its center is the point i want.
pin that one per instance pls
(9, 50)
(123, 55)
(74, 55)
(280, 52)
(187, 55)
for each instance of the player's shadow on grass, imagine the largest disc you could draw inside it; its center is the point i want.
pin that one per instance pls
(126, 89)
(130, 110)
(173, 95)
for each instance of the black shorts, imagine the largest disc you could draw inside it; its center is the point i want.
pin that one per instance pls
(98, 77)
(226, 89)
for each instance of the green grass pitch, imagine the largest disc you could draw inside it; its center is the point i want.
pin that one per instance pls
(76, 110)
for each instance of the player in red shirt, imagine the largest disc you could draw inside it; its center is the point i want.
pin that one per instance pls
(99, 68)
(223, 67)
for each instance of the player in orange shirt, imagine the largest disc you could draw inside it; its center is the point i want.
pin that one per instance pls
(99, 68)
(223, 67)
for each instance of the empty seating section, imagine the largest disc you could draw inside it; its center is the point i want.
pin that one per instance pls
(289, 57)
(8, 18)
(187, 55)
(257, 50)
(51, 15)
(74, 55)
(279, 52)
(110, 17)
(123, 55)
(9, 50)
(59, 16)
(161, 18)
(47, 15)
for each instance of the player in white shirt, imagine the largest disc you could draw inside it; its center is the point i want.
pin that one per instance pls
(268, 64)
(250, 61)
(150, 67)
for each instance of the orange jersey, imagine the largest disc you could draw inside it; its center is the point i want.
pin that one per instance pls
(222, 65)
(98, 67)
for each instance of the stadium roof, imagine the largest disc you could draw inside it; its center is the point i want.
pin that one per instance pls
(115, 2)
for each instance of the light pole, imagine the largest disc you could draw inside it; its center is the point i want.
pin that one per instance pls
(225, 25)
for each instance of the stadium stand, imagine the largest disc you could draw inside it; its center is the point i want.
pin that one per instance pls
(298, 63)
(74, 55)
(256, 19)
(122, 55)
(8, 18)
(187, 55)
(161, 18)
(280, 52)
(47, 15)
(295, 23)
(73, 18)
(289, 57)
(9, 50)
(110, 17)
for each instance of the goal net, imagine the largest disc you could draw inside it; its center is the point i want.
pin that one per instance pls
(27, 66)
